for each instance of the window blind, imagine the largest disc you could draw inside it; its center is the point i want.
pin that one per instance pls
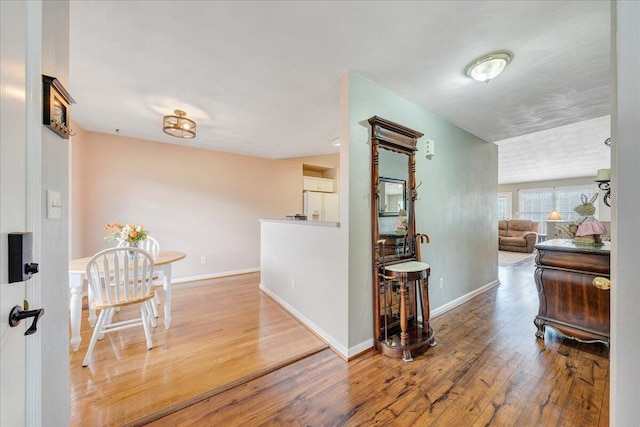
(536, 204)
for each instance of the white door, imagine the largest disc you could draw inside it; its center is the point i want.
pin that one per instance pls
(16, 213)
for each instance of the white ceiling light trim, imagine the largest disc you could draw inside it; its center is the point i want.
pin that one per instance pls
(488, 66)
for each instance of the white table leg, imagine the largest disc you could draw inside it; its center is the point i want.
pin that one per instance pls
(75, 309)
(92, 311)
(166, 287)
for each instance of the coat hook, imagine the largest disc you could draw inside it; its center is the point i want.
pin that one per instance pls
(414, 195)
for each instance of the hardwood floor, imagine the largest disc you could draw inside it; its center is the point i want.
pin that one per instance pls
(488, 369)
(224, 332)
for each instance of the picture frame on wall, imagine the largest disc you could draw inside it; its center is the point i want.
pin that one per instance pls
(55, 106)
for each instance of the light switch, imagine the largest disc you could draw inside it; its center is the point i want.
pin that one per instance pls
(54, 205)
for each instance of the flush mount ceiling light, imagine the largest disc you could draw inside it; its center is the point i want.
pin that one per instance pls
(179, 125)
(488, 67)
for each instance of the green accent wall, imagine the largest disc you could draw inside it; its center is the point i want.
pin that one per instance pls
(457, 203)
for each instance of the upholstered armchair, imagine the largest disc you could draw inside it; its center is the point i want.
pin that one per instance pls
(517, 235)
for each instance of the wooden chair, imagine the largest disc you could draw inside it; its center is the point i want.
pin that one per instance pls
(117, 280)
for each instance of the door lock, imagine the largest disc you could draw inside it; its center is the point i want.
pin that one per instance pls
(21, 266)
(17, 314)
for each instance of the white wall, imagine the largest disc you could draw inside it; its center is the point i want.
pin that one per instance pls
(202, 202)
(625, 292)
(457, 206)
(304, 267)
(316, 259)
(55, 232)
(76, 193)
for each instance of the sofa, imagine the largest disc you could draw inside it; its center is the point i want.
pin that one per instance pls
(517, 235)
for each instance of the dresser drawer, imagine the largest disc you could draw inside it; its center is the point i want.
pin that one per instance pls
(593, 263)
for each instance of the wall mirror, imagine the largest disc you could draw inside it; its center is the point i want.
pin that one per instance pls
(392, 187)
(393, 197)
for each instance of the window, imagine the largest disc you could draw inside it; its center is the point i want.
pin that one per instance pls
(504, 205)
(537, 204)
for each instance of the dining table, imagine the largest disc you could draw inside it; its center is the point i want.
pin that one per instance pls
(162, 260)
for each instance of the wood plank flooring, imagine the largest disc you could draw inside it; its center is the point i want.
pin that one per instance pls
(224, 332)
(488, 369)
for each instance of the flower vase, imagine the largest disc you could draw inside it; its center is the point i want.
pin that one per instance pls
(131, 254)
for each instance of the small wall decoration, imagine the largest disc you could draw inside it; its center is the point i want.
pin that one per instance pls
(55, 106)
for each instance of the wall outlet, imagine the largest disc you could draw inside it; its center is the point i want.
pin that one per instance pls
(441, 282)
(293, 284)
(203, 260)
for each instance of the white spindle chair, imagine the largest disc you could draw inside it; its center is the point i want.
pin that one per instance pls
(152, 246)
(117, 281)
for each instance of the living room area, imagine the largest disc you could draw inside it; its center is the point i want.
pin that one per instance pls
(538, 194)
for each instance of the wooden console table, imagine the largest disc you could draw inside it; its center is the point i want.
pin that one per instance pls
(413, 336)
(569, 302)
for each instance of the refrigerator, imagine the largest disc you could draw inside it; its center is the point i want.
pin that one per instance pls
(321, 206)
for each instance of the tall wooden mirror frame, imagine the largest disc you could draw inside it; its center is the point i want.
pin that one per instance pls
(394, 137)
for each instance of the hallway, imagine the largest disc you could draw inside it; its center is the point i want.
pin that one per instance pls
(487, 369)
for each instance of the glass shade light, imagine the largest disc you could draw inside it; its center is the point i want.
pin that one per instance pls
(554, 216)
(603, 175)
(603, 178)
(179, 125)
(488, 67)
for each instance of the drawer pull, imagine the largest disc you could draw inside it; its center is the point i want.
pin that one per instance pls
(602, 283)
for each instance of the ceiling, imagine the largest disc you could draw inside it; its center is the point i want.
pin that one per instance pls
(261, 78)
(570, 151)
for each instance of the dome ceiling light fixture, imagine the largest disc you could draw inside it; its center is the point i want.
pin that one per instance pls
(179, 125)
(489, 66)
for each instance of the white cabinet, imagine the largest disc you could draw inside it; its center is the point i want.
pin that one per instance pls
(312, 183)
(321, 206)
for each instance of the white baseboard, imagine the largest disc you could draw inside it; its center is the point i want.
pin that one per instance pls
(214, 275)
(339, 348)
(461, 300)
(365, 345)
(359, 348)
